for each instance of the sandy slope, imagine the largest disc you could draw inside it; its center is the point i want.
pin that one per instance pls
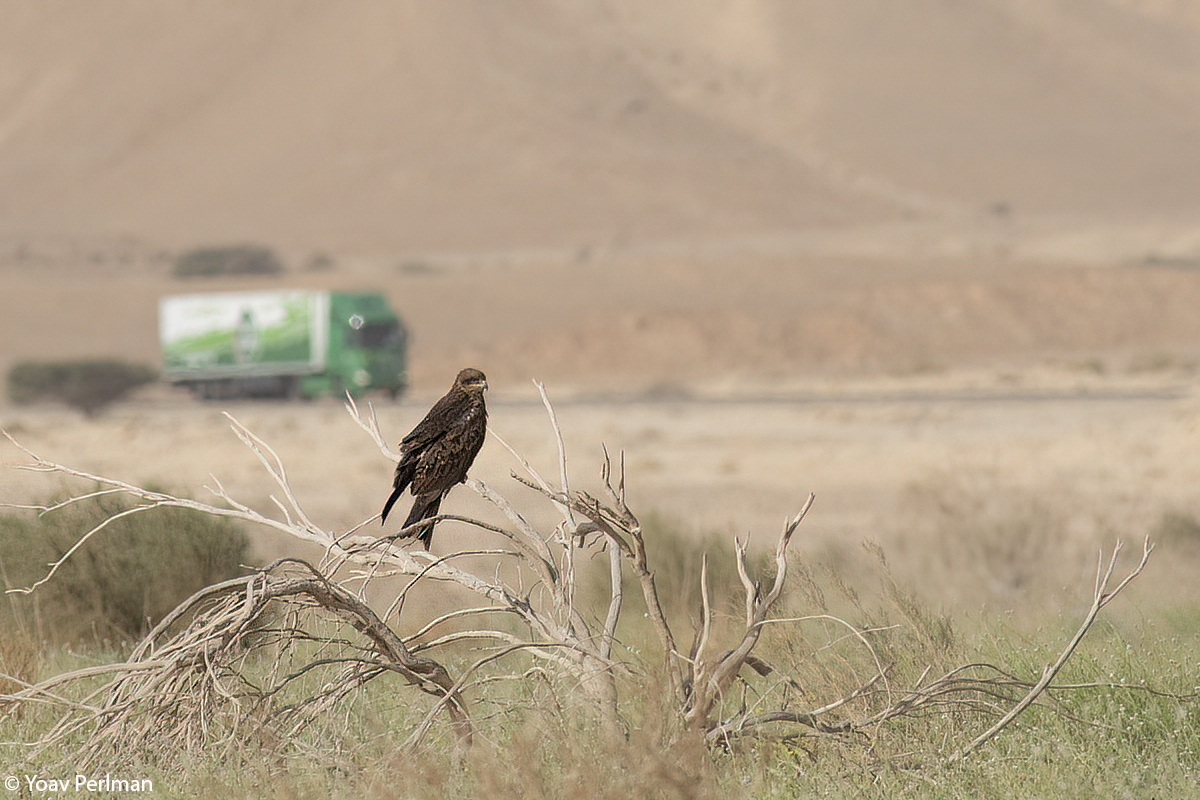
(467, 126)
(369, 126)
(702, 324)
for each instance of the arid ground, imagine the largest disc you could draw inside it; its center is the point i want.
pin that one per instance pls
(989, 427)
(937, 263)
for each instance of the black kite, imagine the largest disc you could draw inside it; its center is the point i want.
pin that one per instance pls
(438, 452)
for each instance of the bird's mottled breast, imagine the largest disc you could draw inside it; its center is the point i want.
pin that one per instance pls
(474, 423)
(474, 415)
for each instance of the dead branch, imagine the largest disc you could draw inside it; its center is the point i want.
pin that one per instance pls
(175, 692)
(1101, 596)
(622, 533)
(710, 679)
(977, 687)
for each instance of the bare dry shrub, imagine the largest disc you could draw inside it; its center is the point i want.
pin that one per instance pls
(680, 556)
(276, 663)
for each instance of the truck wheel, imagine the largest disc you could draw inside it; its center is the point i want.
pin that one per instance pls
(293, 390)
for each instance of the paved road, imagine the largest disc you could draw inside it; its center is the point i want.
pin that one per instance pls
(1162, 393)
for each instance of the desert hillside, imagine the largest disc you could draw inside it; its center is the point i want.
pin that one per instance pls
(469, 127)
(616, 194)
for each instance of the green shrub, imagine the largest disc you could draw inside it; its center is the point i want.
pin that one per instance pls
(1177, 528)
(88, 385)
(124, 579)
(243, 259)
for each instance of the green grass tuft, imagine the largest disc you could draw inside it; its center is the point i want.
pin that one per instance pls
(123, 579)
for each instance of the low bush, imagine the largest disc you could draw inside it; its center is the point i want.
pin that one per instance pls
(983, 539)
(241, 259)
(88, 385)
(124, 579)
(292, 674)
(1178, 529)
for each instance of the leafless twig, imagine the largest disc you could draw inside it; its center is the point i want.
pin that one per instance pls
(1101, 596)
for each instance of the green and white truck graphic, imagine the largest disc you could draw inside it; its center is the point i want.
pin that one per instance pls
(291, 343)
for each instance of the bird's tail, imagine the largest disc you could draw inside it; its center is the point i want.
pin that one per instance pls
(424, 507)
(391, 501)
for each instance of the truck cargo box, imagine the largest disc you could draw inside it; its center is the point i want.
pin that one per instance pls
(281, 343)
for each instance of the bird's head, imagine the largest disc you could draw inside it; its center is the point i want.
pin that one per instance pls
(471, 380)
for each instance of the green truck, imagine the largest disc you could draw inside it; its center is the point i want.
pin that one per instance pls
(290, 343)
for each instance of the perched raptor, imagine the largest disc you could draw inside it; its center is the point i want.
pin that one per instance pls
(438, 452)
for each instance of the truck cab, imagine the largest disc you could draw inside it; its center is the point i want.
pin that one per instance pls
(367, 347)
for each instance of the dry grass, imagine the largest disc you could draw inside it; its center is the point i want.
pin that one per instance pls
(985, 540)
(20, 656)
(285, 671)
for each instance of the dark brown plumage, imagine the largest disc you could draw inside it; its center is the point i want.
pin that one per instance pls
(438, 452)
